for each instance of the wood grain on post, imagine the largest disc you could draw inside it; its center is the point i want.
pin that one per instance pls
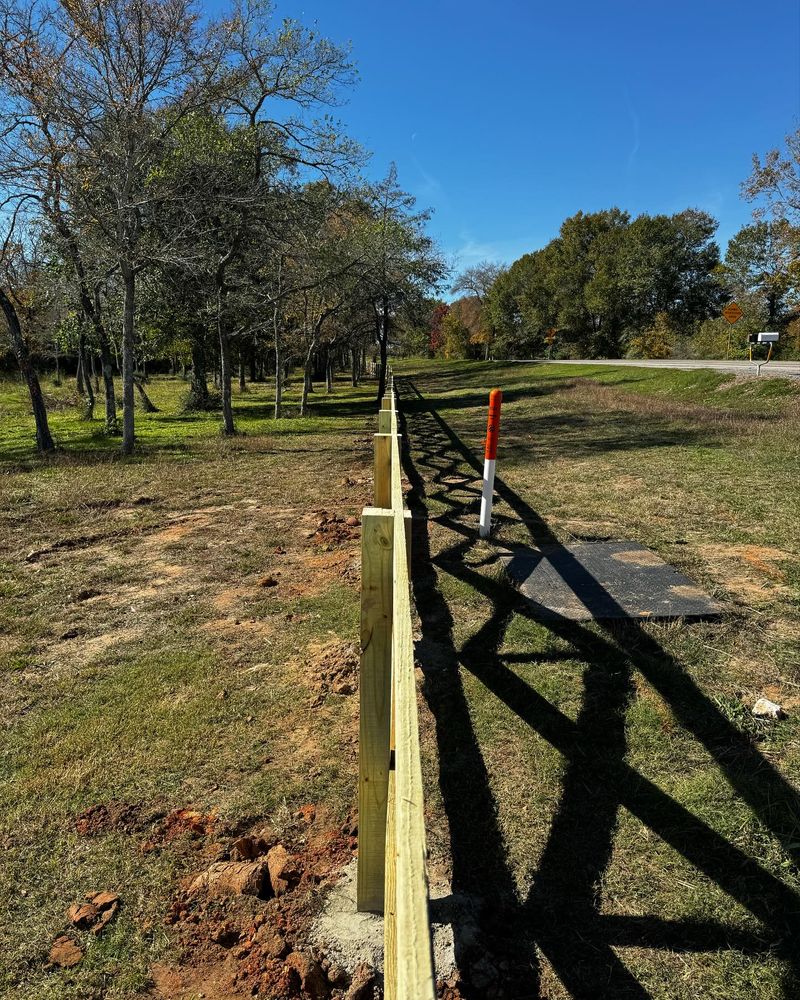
(389, 912)
(377, 531)
(383, 470)
(385, 422)
(414, 956)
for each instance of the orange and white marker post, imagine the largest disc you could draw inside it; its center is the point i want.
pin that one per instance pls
(490, 456)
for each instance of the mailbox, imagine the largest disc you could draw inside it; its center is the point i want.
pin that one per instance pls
(768, 338)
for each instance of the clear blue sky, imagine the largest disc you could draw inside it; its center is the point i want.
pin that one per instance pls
(506, 116)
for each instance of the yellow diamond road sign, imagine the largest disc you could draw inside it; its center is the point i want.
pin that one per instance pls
(732, 312)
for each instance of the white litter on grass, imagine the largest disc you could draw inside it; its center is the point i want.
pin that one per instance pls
(766, 709)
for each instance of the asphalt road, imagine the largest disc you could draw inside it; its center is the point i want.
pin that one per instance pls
(782, 369)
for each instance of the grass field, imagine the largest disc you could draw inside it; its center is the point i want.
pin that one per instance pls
(148, 665)
(631, 829)
(615, 820)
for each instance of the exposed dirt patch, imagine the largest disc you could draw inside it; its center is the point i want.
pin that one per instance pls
(309, 574)
(180, 822)
(335, 529)
(332, 669)
(232, 597)
(787, 697)
(231, 628)
(235, 944)
(180, 529)
(105, 817)
(749, 572)
(72, 648)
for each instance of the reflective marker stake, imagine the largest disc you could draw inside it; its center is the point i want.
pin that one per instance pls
(490, 455)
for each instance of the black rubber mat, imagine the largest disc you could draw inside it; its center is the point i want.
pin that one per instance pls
(615, 579)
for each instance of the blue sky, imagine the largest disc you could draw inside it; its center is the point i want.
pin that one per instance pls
(505, 117)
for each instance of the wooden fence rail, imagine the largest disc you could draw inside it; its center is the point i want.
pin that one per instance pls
(392, 877)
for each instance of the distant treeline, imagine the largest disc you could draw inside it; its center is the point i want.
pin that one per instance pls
(652, 286)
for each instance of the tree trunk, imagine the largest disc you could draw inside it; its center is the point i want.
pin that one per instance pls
(44, 440)
(90, 305)
(228, 426)
(279, 361)
(128, 360)
(354, 355)
(307, 371)
(329, 372)
(242, 379)
(772, 310)
(199, 398)
(107, 364)
(87, 382)
(147, 404)
(383, 341)
(253, 365)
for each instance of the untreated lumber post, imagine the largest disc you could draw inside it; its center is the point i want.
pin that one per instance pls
(377, 528)
(383, 470)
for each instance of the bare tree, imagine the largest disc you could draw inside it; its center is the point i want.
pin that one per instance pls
(275, 76)
(477, 280)
(776, 179)
(16, 277)
(404, 261)
(98, 86)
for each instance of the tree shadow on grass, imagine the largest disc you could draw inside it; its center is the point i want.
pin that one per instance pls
(560, 916)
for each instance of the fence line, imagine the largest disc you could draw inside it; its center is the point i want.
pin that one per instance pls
(392, 876)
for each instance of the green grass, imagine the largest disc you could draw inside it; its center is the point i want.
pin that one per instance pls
(605, 791)
(143, 663)
(171, 431)
(608, 784)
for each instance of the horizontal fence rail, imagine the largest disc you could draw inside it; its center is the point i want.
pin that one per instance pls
(392, 875)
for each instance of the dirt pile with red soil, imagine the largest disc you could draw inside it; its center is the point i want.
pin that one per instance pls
(242, 921)
(123, 817)
(93, 914)
(332, 669)
(334, 529)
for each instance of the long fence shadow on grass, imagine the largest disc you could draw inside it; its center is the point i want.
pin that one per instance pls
(560, 915)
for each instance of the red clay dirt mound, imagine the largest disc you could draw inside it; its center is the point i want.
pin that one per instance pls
(332, 668)
(335, 529)
(241, 923)
(105, 817)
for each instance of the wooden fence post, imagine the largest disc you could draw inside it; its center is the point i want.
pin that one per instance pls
(377, 530)
(390, 911)
(383, 470)
(385, 422)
